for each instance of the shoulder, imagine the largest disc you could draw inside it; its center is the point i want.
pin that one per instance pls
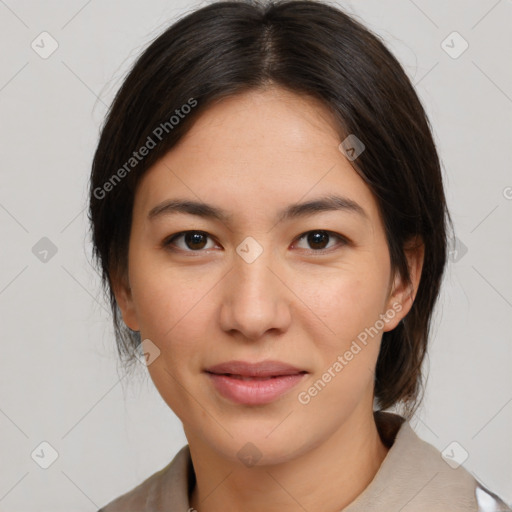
(416, 475)
(452, 482)
(163, 489)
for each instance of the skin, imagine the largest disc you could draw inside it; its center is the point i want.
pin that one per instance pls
(254, 154)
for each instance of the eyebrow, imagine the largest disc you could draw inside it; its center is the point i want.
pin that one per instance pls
(293, 211)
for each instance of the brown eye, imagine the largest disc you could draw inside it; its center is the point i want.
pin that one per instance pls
(193, 241)
(318, 240)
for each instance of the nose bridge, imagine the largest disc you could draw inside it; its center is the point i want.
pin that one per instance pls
(253, 276)
(256, 298)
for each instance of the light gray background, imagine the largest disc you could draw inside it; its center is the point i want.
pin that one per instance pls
(59, 376)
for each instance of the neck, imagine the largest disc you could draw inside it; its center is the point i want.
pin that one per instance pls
(329, 477)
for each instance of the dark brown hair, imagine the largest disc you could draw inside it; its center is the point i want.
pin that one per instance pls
(309, 48)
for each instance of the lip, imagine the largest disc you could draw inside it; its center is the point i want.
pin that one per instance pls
(254, 383)
(261, 369)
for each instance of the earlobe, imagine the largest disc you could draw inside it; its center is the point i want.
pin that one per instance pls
(403, 293)
(124, 299)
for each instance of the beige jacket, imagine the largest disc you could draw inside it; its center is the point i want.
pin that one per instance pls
(414, 477)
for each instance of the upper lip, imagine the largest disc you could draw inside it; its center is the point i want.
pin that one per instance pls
(261, 369)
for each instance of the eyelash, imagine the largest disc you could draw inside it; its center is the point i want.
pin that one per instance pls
(168, 242)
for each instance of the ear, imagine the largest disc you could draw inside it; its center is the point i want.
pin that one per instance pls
(401, 294)
(124, 299)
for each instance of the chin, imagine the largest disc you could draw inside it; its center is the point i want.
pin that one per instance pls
(256, 446)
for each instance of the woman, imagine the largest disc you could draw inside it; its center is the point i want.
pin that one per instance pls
(268, 211)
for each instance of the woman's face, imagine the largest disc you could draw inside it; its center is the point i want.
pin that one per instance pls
(312, 289)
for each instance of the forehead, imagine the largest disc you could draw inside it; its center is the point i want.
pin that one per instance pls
(254, 152)
(269, 118)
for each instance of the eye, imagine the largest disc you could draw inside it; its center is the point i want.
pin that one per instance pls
(194, 241)
(318, 239)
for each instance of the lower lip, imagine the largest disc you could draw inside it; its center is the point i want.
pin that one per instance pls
(254, 392)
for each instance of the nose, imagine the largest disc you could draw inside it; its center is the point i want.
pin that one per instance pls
(255, 298)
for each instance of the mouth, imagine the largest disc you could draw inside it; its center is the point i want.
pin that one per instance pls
(260, 369)
(254, 383)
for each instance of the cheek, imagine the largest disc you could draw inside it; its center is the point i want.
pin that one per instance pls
(166, 299)
(174, 311)
(349, 305)
(347, 301)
